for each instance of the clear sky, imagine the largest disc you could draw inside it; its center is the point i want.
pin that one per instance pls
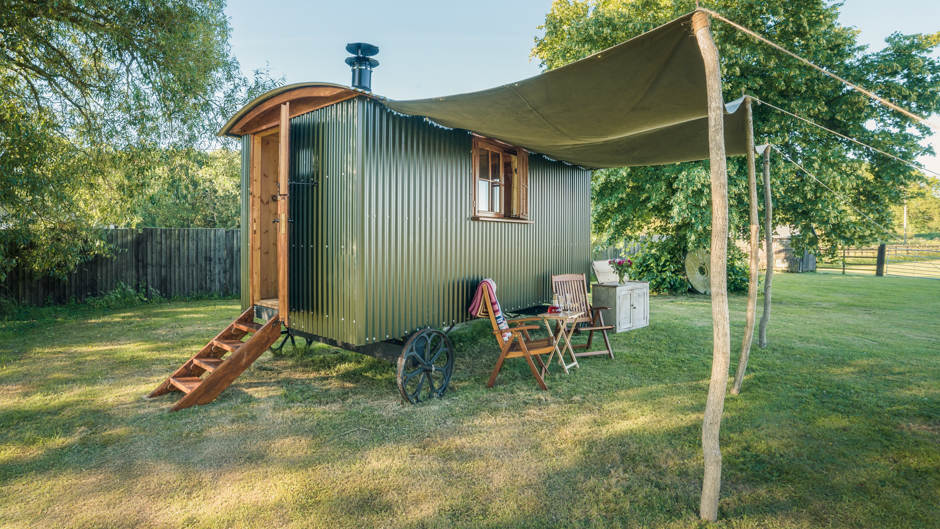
(440, 47)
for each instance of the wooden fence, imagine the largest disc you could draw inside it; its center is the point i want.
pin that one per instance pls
(623, 249)
(923, 261)
(170, 262)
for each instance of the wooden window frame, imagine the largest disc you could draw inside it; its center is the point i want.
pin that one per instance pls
(514, 192)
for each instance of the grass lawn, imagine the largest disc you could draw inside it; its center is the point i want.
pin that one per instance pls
(838, 424)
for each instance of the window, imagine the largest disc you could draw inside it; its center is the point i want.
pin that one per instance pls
(500, 181)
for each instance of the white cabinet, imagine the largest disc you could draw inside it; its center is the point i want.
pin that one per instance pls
(629, 304)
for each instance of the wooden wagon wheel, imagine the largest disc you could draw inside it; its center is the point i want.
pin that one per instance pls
(425, 366)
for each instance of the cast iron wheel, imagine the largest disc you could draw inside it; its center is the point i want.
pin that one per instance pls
(425, 366)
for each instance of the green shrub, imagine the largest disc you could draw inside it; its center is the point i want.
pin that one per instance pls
(662, 264)
(120, 297)
(737, 269)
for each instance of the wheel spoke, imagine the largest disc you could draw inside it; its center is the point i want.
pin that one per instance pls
(416, 394)
(408, 376)
(431, 391)
(417, 361)
(440, 349)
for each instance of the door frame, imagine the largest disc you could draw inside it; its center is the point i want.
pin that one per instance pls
(254, 242)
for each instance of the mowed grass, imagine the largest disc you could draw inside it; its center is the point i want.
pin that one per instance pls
(838, 425)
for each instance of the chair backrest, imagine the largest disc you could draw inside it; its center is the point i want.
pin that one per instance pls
(486, 305)
(575, 287)
(604, 271)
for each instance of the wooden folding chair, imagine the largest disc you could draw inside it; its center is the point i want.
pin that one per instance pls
(519, 344)
(575, 287)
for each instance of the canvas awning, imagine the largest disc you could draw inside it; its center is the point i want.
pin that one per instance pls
(642, 102)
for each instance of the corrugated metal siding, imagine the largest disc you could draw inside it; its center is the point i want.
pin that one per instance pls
(383, 245)
(245, 231)
(322, 249)
(420, 254)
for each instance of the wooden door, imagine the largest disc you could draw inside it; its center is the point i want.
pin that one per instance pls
(624, 309)
(641, 307)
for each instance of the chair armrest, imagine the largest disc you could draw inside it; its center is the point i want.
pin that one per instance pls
(517, 320)
(593, 309)
(517, 329)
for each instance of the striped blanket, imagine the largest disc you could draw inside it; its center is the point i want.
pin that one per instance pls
(479, 311)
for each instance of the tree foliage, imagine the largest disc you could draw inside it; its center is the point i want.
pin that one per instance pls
(193, 189)
(98, 100)
(674, 200)
(923, 209)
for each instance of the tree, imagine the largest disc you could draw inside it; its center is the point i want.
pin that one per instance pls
(93, 96)
(673, 200)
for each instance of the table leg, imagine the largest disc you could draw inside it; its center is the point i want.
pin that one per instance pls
(568, 335)
(548, 326)
(563, 333)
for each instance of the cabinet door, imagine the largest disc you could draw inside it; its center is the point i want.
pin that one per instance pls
(641, 308)
(624, 309)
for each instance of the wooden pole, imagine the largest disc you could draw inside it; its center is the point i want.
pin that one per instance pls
(283, 165)
(769, 246)
(721, 330)
(752, 265)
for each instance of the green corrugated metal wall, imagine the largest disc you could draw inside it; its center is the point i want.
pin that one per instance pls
(322, 238)
(421, 256)
(384, 245)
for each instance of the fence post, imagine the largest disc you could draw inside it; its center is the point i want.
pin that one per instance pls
(843, 261)
(880, 266)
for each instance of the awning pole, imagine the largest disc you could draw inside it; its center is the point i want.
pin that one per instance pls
(769, 247)
(721, 354)
(755, 240)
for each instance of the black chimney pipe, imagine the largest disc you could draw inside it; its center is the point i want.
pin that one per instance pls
(362, 64)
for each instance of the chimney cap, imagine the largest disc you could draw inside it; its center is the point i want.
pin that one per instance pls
(359, 60)
(362, 49)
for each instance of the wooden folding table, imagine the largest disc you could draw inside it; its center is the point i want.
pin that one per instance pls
(562, 321)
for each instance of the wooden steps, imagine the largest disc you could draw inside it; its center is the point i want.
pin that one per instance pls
(209, 364)
(186, 384)
(204, 376)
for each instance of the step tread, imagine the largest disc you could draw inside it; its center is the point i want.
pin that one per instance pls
(186, 384)
(247, 326)
(209, 364)
(229, 345)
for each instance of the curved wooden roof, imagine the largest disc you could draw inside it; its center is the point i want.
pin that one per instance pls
(264, 112)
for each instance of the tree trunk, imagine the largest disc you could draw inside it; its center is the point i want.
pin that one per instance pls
(721, 353)
(769, 245)
(752, 264)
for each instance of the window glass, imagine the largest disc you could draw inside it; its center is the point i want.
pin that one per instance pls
(483, 195)
(484, 164)
(494, 165)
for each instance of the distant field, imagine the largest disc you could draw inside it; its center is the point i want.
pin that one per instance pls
(838, 424)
